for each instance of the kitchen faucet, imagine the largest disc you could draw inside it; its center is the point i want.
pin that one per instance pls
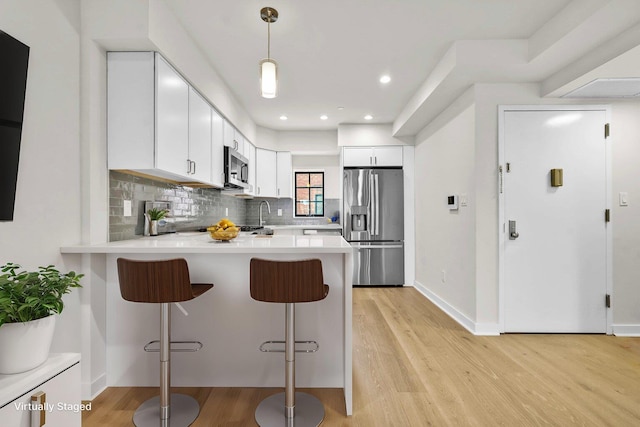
(260, 209)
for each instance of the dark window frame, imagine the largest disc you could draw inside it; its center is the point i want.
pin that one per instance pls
(308, 201)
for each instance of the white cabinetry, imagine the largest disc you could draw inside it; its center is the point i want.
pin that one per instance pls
(157, 124)
(199, 137)
(58, 378)
(233, 138)
(217, 149)
(283, 174)
(250, 154)
(372, 156)
(266, 176)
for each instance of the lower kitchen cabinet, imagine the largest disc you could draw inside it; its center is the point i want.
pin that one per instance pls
(59, 379)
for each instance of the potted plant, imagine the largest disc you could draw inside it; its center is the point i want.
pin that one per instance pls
(153, 216)
(29, 301)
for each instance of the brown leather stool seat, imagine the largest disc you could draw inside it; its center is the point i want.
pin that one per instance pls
(161, 282)
(288, 282)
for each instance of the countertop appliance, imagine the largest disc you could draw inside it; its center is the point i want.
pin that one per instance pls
(236, 169)
(373, 223)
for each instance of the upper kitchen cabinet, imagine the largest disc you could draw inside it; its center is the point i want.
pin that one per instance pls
(233, 138)
(266, 173)
(284, 174)
(250, 154)
(372, 156)
(217, 149)
(200, 131)
(149, 119)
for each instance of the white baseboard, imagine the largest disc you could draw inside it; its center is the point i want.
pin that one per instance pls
(91, 390)
(626, 330)
(458, 316)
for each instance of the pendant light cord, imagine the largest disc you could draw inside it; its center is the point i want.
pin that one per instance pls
(269, 34)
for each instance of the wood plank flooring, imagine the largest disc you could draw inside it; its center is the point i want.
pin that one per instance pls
(414, 366)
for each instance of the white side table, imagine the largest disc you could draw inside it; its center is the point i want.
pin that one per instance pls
(56, 383)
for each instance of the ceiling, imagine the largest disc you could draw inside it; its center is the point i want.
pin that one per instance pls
(331, 53)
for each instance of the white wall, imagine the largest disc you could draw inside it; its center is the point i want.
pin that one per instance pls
(369, 135)
(47, 210)
(445, 239)
(625, 134)
(330, 165)
(483, 201)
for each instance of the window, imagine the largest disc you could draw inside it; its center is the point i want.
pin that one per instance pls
(309, 194)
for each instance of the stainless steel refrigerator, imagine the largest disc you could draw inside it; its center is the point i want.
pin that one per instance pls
(373, 222)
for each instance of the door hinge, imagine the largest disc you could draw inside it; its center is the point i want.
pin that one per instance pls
(607, 215)
(607, 129)
(607, 301)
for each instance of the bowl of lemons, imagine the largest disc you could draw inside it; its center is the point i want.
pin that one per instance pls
(224, 230)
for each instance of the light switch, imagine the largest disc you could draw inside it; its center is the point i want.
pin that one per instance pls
(126, 208)
(624, 198)
(226, 211)
(463, 199)
(279, 212)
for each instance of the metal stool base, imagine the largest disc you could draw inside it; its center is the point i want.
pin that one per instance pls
(309, 411)
(182, 412)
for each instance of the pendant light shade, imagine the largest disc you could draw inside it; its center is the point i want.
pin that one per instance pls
(268, 67)
(268, 78)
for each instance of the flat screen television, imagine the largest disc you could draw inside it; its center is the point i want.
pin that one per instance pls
(14, 60)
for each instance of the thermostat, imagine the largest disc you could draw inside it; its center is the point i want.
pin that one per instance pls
(452, 202)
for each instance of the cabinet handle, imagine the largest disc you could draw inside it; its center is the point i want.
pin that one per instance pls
(188, 166)
(194, 168)
(258, 190)
(278, 191)
(375, 160)
(38, 416)
(370, 160)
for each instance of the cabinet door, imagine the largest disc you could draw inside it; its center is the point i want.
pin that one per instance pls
(217, 149)
(172, 120)
(199, 137)
(357, 156)
(387, 156)
(233, 138)
(266, 180)
(250, 154)
(62, 392)
(283, 177)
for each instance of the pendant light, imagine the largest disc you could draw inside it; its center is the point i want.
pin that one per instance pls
(268, 67)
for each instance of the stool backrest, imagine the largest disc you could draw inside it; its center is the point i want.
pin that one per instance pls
(287, 281)
(154, 281)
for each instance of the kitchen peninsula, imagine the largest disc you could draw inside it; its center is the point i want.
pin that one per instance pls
(230, 325)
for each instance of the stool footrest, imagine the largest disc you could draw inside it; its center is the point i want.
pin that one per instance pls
(176, 346)
(314, 344)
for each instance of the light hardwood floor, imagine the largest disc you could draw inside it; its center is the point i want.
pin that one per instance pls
(414, 366)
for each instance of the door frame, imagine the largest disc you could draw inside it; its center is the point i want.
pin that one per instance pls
(502, 109)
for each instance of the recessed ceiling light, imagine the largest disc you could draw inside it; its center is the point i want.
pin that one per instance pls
(340, 108)
(283, 117)
(368, 117)
(324, 117)
(385, 79)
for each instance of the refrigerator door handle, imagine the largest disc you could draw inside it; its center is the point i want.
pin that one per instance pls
(377, 246)
(372, 204)
(377, 206)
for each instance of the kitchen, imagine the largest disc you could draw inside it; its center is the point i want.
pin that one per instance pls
(72, 207)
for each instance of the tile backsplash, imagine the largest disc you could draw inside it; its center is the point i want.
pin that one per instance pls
(193, 208)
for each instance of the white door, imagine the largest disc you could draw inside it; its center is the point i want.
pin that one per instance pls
(555, 265)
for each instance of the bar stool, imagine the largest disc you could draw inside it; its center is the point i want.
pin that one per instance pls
(161, 282)
(288, 282)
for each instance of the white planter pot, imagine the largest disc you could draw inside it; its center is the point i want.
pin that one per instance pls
(24, 346)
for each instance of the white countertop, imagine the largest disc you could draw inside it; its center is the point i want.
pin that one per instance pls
(194, 242)
(331, 226)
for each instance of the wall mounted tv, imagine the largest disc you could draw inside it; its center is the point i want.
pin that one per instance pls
(14, 59)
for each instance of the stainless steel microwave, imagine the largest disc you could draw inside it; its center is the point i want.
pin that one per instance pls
(236, 169)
